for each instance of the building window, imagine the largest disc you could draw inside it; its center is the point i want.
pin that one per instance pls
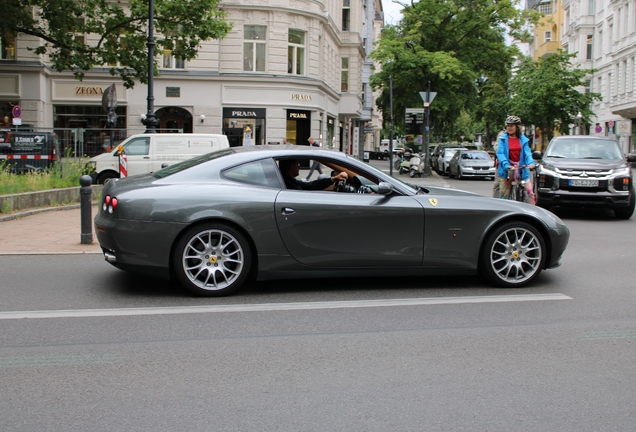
(588, 85)
(346, 15)
(172, 62)
(590, 41)
(590, 7)
(547, 36)
(296, 52)
(600, 44)
(254, 47)
(7, 48)
(545, 8)
(344, 75)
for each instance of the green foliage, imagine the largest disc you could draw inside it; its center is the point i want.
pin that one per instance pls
(62, 175)
(545, 93)
(458, 46)
(120, 32)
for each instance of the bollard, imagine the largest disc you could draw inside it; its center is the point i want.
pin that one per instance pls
(86, 213)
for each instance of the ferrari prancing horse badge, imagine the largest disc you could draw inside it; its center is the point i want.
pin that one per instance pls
(433, 201)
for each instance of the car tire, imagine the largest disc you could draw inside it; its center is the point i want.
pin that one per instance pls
(459, 174)
(627, 212)
(212, 259)
(512, 255)
(106, 177)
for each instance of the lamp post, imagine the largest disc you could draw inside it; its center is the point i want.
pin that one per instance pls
(151, 122)
(391, 126)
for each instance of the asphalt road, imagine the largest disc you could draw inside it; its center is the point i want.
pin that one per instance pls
(121, 352)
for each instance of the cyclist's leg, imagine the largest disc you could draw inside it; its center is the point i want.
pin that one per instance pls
(529, 192)
(504, 188)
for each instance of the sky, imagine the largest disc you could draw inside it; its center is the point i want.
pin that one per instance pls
(392, 11)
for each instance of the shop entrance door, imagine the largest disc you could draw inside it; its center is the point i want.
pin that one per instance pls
(174, 120)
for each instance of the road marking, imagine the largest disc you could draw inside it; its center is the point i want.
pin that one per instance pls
(267, 307)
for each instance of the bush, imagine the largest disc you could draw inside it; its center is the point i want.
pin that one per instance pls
(64, 173)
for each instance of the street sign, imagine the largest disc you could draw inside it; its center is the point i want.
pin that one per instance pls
(624, 128)
(431, 96)
(16, 111)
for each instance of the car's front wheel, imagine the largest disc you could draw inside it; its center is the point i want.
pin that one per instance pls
(512, 255)
(627, 212)
(212, 259)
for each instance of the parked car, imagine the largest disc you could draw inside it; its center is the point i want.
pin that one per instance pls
(444, 160)
(215, 220)
(438, 151)
(585, 171)
(472, 163)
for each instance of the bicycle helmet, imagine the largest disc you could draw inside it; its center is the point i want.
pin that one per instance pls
(513, 120)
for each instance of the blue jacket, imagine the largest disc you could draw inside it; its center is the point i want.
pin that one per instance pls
(525, 157)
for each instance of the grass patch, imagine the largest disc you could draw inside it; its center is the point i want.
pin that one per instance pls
(63, 174)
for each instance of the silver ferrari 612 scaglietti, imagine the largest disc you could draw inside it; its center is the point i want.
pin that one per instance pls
(217, 219)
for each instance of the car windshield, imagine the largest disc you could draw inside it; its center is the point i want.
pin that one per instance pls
(584, 149)
(172, 169)
(476, 155)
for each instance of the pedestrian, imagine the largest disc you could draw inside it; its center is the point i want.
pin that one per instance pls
(315, 166)
(513, 149)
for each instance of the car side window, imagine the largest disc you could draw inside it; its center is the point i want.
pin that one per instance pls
(137, 146)
(259, 173)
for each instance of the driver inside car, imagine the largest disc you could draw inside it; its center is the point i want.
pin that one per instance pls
(290, 169)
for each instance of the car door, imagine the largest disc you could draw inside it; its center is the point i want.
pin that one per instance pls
(336, 229)
(138, 155)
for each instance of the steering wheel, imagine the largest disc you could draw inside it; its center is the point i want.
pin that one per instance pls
(340, 186)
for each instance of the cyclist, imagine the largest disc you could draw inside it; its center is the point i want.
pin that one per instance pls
(513, 150)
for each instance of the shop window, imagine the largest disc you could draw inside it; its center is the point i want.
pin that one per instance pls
(254, 47)
(296, 52)
(344, 75)
(7, 48)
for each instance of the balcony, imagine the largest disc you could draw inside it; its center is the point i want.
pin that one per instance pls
(547, 48)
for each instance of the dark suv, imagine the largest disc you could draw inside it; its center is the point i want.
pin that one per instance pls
(585, 171)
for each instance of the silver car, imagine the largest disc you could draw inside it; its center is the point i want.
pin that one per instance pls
(444, 160)
(216, 220)
(472, 163)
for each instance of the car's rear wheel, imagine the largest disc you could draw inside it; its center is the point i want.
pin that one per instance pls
(512, 255)
(627, 212)
(212, 259)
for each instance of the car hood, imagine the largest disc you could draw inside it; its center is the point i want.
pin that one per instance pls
(585, 164)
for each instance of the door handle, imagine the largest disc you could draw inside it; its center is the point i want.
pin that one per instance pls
(146, 157)
(287, 211)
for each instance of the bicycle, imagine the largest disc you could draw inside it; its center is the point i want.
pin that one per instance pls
(518, 190)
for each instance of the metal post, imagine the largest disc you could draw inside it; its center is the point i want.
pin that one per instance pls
(427, 109)
(85, 209)
(151, 122)
(391, 126)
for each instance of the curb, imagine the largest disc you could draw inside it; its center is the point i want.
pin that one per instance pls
(30, 212)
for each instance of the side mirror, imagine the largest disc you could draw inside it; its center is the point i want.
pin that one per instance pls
(631, 157)
(537, 155)
(385, 188)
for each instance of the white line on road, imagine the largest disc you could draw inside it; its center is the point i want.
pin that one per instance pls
(266, 307)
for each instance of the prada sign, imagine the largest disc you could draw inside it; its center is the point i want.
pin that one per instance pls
(298, 115)
(244, 113)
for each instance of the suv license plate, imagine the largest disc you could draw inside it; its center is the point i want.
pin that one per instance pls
(584, 183)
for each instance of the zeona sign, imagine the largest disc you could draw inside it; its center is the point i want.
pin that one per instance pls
(81, 90)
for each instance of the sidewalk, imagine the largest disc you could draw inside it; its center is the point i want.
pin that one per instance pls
(57, 230)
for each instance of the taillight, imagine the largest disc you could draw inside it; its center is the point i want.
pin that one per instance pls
(110, 204)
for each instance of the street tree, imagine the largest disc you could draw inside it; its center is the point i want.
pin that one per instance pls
(547, 93)
(79, 35)
(453, 44)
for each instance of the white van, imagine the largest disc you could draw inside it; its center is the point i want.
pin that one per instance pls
(148, 152)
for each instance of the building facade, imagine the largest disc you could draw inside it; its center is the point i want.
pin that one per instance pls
(603, 34)
(288, 70)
